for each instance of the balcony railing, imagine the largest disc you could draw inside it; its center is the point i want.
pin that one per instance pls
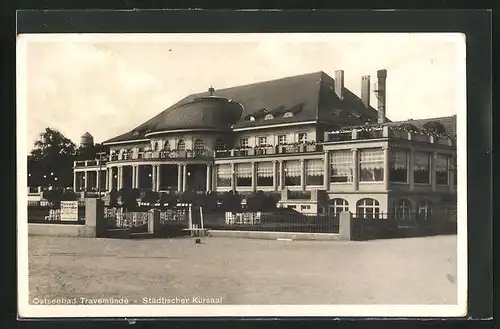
(384, 132)
(269, 150)
(88, 163)
(164, 154)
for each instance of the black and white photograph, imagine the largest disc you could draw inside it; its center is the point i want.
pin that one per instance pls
(259, 174)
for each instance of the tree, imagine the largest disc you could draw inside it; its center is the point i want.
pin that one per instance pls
(90, 152)
(51, 160)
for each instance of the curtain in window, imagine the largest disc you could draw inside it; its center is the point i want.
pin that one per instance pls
(292, 173)
(421, 168)
(441, 169)
(314, 172)
(265, 174)
(341, 168)
(399, 166)
(224, 175)
(371, 165)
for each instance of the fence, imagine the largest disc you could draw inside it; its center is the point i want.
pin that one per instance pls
(394, 225)
(272, 222)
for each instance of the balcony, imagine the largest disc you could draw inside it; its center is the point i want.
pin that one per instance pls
(89, 163)
(390, 132)
(163, 155)
(270, 150)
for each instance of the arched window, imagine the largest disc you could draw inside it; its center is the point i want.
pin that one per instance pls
(288, 115)
(181, 145)
(368, 208)
(166, 146)
(199, 147)
(269, 117)
(155, 146)
(220, 145)
(140, 153)
(338, 205)
(403, 209)
(425, 209)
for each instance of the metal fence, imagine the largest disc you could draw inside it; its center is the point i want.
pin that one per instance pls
(387, 225)
(272, 222)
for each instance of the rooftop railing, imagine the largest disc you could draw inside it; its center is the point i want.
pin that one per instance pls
(384, 132)
(88, 163)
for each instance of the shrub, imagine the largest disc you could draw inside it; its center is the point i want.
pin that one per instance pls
(169, 198)
(149, 196)
(260, 201)
(129, 198)
(231, 201)
(113, 198)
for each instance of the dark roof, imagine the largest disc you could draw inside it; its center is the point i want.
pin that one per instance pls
(311, 97)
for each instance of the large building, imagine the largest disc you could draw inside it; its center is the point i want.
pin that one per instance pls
(306, 137)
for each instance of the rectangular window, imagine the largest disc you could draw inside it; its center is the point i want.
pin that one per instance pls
(224, 175)
(399, 166)
(281, 139)
(453, 166)
(302, 137)
(243, 174)
(441, 169)
(421, 171)
(265, 174)
(292, 173)
(262, 141)
(371, 166)
(303, 207)
(314, 172)
(244, 142)
(341, 166)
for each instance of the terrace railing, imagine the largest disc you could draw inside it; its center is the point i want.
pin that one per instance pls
(269, 150)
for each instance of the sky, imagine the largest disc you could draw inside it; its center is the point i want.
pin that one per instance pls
(108, 84)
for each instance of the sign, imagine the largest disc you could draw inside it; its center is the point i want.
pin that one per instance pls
(69, 211)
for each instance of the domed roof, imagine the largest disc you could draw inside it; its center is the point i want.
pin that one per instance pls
(87, 135)
(211, 113)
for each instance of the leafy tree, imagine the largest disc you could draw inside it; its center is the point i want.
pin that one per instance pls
(90, 152)
(260, 201)
(51, 160)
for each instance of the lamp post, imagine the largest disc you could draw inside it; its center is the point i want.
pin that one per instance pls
(99, 154)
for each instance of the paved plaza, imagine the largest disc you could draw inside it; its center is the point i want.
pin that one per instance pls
(245, 271)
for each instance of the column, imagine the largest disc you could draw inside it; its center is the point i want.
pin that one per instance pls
(110, 179)
(153, 178)
(213, 176)
(302, 175)
(411, 171)
(433, 171)
(275, 176)
(158, 178)
(208, 186)
(74, 181)
(97, 179)
(120, 177)
(184, 177)
(326, 171)
(355, 169)
(85, 184)
(254, 177)
(386, 168)
(233, 177)
(137, 175)
(179, 178)
(133, 177)
(282, 176)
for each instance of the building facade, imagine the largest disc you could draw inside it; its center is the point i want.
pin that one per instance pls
(306, 137)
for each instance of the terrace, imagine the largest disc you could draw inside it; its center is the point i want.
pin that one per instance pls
(385, 132)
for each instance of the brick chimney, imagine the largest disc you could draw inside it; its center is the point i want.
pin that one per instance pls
(381, 94)
(339, 83)
(365, 90)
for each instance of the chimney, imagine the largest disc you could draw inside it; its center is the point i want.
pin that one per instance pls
(380, 91)
(339, 83)
(365, 90)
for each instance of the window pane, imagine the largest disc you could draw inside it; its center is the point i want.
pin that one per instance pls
(223, 175)
(399, 167)
(314, 172)
(441, 169)
(421, 168)
(292, 173)
(371, 165)
(243, 174)
(264, 174)
(341, 166)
